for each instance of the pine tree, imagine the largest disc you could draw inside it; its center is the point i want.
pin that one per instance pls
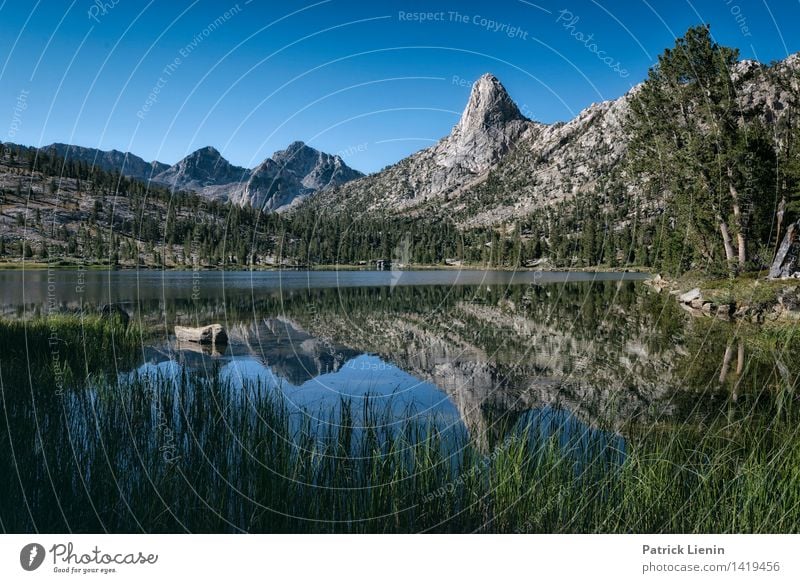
(688, 141)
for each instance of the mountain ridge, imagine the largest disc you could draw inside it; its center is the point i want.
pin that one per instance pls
(494, 166)
(521, 166)
(279, 182)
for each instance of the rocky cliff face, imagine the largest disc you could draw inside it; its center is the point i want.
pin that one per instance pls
(204, 171)
(496, 166)
(125, 163)
(203, 167)
(488, 130)
(290, 176)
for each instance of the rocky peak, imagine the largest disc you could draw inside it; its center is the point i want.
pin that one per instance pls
(202, 168)
(487, 130)
(205, 160)
(489, 106)
(298, 157)
(294, 149)
(292, 175)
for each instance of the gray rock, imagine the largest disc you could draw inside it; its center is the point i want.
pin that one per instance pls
(211, 334)
(689, 296)
(742, 312)
(291, 175)
(204, 171)
(288, 177)
(724, 311)
(489, 129)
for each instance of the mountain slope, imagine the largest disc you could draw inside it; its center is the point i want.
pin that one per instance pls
(286, 178)
(125, 163)
(291, 175)
(206, 172)
(488, 130)
(497, 167)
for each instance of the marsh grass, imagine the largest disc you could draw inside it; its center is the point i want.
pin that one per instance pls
(80, 343)
(142, 452)
(164, 454)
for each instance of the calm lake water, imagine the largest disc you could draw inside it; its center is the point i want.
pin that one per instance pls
(439, 344)
(458, 345)
(578, 358)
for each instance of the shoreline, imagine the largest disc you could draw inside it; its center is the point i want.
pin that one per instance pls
(39, 266)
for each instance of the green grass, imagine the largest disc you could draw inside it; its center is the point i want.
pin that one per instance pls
(134, 453)
(166, 455)
(80, 343)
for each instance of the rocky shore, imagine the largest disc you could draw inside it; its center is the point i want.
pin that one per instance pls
(751, 300)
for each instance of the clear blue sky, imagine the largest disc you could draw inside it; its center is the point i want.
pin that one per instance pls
(369, 81)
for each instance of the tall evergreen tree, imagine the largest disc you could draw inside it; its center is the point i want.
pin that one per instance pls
(690, 144)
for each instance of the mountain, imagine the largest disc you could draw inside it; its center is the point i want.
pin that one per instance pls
(125, 163)
(496, 166)
(487, 131)
(291, 175)
(206, 172)
(488, 128)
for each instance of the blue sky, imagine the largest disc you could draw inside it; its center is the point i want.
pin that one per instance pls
(373, 82)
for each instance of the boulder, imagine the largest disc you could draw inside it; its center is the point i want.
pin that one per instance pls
(211, 334)
(691, 295)
(658, 283)
(789, 299)
(741, 311)
(724, 311)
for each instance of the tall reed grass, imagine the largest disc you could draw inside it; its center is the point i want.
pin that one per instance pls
(192, 453)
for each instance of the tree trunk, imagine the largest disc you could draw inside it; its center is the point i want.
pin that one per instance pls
(742, 250)
(726, 364)
(740, 358)
(787, 259)
(779, 215)
(726, 240)
(737, 214)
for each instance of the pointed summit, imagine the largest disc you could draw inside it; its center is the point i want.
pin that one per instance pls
(292, 175)
(489, 105)
(488, 128)
(202, 168)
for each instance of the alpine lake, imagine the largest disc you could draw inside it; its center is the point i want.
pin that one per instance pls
(388, 401)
